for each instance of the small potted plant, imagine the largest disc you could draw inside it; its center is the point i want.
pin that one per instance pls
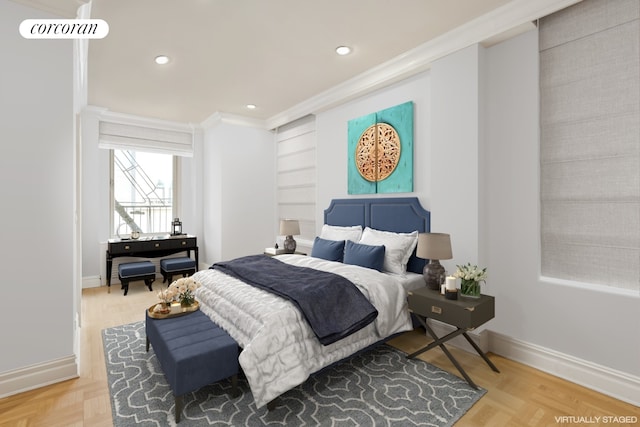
(471, 276)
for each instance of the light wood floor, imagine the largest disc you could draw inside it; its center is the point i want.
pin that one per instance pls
(518, 396)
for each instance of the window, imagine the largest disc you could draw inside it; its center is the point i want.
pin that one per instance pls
(589, 144)
(143, 189)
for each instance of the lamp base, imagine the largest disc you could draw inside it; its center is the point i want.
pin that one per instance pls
(433, 274)
(289, 245)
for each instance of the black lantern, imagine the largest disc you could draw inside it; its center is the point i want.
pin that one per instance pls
(176, 227)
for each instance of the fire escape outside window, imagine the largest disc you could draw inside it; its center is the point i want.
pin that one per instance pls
(142, 189)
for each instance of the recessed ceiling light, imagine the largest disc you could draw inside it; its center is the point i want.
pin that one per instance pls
(251, 106)
(343, 50)
(161, 59)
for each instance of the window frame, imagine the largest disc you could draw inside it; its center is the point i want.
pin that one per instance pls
(175, 210)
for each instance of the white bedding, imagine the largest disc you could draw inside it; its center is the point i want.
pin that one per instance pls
(410, 281)
(280, 350)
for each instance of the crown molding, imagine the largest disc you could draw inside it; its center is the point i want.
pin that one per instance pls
(501, 22)
(107, 115)
(218, 118)
(509, 20)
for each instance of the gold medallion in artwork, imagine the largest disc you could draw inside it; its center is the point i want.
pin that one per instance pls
(378, 152)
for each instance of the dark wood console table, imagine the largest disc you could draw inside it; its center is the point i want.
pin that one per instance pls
(149, 247)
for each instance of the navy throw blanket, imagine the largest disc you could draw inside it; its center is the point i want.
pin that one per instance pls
(333, 306)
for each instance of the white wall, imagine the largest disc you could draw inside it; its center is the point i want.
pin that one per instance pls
(239, 211)
(455, 147)
(331, 134)
(446, 145)
(476, 169)
(191, 179)
(38, 192)
(95, 200)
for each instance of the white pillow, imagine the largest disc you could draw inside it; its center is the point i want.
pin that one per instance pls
(398, 247)
(335, 232)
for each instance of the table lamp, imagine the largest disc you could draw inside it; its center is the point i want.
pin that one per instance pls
(289, 228)
(434, 247)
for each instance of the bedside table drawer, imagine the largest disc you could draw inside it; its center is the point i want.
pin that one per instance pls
(464, 313)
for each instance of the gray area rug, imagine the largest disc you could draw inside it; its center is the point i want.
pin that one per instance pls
(379, 387)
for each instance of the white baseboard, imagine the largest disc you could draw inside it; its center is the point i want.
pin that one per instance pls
(36, 376)
(91, 282)
(596, 377)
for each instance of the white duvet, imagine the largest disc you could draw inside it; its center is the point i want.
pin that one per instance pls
(280, 350)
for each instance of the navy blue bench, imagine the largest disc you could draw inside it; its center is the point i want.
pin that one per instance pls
(193, 352)
(170, 267)
(131, 271)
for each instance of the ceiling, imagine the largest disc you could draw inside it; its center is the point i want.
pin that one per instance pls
(226, 54)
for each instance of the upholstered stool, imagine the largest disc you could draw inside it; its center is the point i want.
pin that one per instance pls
(131, 271)
(170, 267)
(193, 352)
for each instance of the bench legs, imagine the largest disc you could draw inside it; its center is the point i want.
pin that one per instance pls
(234, 386)
(147, 281)
(178, 408)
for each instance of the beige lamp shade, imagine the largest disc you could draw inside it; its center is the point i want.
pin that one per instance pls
(434, 246)
(289, 227)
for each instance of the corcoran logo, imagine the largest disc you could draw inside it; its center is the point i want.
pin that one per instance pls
(64, 29)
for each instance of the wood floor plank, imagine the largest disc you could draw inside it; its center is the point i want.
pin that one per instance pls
(517, 396)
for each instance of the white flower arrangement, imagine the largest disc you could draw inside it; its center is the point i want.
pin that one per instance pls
(184, 289)
(471, 272)
(180, 290)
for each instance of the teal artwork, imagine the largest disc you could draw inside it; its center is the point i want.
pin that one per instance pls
(380, 151)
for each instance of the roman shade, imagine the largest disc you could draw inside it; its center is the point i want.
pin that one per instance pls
(142, 137)
(590, 143)
(296, 174)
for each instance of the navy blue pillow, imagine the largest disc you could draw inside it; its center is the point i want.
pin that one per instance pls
(331, 250)
(364, 255)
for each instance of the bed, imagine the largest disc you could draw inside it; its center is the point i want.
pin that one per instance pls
(279, 347)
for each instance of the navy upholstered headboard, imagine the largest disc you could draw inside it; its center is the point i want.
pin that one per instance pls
(400, 215)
